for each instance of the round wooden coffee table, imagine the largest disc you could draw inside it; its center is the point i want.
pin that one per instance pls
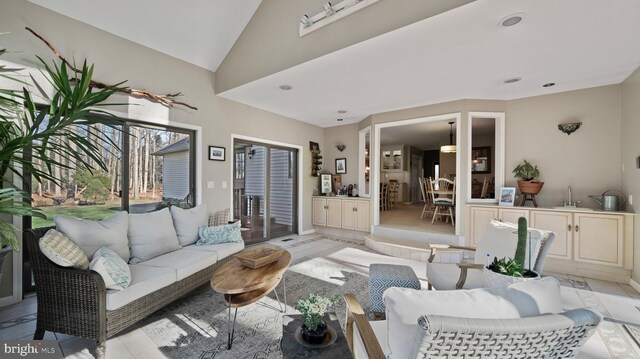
(242, 285)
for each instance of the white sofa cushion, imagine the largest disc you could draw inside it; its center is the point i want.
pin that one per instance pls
(222, 250)
(380, 330)
(499, 240)
(523, 299)
(91, 235)
(185, 262)
(151, 234)
(144, 280)
(187, 222)
(113, 269)
(62, 251)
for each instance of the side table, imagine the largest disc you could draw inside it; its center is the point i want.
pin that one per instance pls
(292, 349)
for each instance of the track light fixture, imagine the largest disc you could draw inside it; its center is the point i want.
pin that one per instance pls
(305, 21)
(331, 13)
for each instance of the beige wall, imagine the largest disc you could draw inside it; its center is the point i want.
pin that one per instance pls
(630, 151)
(117, 59)
(587, 160)
(271, 43)
(346, 135)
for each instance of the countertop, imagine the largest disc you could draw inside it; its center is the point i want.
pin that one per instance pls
(556, 209)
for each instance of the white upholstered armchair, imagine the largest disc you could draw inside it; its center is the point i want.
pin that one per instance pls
(499, 240)
(523, 320)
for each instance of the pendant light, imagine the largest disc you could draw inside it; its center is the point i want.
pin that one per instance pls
(450, 148)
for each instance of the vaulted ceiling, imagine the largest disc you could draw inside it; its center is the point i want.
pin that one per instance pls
(463, 53)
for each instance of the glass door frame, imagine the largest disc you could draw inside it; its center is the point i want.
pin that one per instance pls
(298, 184)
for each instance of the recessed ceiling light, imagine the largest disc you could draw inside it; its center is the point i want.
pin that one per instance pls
(512, 19)
(512, 80)
(339, 120)
(549, 84)
(342, 111)
(285, 87)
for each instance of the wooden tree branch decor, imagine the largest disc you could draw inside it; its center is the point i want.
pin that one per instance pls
(168, 100)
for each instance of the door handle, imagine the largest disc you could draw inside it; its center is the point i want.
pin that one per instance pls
(577, 228)
(569, 228)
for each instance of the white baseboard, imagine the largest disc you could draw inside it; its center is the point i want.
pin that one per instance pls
(309, 231)
(635, 285)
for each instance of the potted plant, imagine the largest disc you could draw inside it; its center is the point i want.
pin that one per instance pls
(504, 271)
(54, 133)
(313, 309)
(528, 175)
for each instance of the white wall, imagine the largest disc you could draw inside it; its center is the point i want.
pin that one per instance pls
(345, 135)
(630, 152)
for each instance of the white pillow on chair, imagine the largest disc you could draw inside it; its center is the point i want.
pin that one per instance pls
(522, 299)
(499, 240)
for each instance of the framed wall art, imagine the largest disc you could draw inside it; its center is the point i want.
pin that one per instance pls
(217, 153)
(341, 165)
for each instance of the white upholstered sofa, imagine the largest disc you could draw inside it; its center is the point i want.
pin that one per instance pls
(77, 302)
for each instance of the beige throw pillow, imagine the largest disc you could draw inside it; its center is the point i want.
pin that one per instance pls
(151, 234)
(91, 235)
(219, 218)
(62, 251)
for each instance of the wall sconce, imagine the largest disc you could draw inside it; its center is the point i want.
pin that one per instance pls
(251, 153)
(341, 147)
(569, 128)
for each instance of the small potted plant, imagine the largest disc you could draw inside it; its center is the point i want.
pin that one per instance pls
(504, 271)
(528, 177)
(313, 309)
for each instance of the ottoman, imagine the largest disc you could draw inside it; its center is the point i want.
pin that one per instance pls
(383, 276)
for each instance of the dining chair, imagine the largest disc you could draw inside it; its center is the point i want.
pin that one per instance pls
(394, 186)
(485, 187)
(444, 202)
(425, 196)
(384, 196)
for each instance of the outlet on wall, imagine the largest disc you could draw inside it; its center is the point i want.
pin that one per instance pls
(210, 184)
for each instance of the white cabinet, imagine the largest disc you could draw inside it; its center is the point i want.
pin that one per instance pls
(482, 215)
(347, 213)
(561, 223)
(394, 158)
(599, 239)
(584, 237)
(327, 212)
(590, 244)
(355, 215)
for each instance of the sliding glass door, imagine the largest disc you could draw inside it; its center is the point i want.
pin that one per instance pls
(265, 188)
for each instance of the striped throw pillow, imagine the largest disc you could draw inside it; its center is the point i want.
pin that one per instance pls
(62, 251)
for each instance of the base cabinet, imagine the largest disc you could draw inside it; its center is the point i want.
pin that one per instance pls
(590, 244)
(327, 212)
(349, 213)
(481, 216)
(355, 215)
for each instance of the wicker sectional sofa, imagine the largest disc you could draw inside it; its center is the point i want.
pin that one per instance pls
(76, 302)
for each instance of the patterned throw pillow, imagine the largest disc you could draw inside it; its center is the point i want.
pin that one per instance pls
(219, 218)
(113, 269)
(229, 233)
(62, 251)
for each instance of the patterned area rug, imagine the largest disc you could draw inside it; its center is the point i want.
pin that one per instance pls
(196, 327)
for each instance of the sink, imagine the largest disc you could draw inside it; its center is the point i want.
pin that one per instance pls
(583, 209)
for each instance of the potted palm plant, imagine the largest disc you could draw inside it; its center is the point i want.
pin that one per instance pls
(55, 133)
(528, 177)
(504, 271)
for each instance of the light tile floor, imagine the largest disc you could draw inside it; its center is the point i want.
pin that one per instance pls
(618, 303)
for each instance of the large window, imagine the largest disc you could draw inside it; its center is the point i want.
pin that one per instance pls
(148, 167)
